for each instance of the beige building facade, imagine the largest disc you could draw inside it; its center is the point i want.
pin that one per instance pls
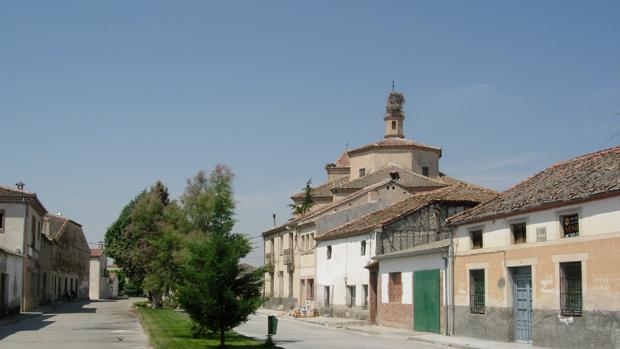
(539, 263)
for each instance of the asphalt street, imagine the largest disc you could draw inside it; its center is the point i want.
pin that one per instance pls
(79, 325)
(295, 334)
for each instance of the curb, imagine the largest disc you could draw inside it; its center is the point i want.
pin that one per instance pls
(451, 345)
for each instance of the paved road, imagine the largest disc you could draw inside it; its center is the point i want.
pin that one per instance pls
(79, 325)
(293, 334)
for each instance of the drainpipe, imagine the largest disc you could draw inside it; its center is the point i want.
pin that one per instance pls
(445, 288)
(452, 256)
(25, 255)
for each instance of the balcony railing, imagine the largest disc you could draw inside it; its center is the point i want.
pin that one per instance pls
(269, 257)
(287, 257)
(402, 239)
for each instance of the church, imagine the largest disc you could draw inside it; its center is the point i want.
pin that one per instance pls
(307, 269)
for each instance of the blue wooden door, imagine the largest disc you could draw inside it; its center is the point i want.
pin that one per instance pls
(523, 306)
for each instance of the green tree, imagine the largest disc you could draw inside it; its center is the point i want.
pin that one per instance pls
(162, 271)
(142, 238)
(307, 202)
(215, 290)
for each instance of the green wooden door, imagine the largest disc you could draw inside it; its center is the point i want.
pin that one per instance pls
(426, 300)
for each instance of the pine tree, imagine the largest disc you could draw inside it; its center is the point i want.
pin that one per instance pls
(307, 202)
(216, 291)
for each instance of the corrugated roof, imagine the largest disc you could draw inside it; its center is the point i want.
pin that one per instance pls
(583, 178)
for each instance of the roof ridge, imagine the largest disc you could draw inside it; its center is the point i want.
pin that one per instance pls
(16, 190)
(581, 157)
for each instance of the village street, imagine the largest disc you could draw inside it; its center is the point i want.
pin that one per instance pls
(293, 334)
(93, 325)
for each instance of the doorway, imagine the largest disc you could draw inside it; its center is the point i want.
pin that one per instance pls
(426, 305)
(522, 303)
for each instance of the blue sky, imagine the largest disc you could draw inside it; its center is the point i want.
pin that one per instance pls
(98, 100)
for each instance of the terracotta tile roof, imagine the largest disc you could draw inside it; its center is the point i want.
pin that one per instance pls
(291, 223)
(56, 226)
(12, 194)
(95, 253)
(307, 218)
(394, 142)
(323, 190)
(591, 176)
(461, 192)
(408, 179)
(342, 161)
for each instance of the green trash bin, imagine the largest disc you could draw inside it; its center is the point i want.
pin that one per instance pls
(272, 325)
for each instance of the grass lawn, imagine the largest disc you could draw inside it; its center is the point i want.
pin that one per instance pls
(169, 329)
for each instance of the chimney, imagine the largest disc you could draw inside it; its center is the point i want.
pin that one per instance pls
(20, 185)
(274, 219)
(395, 176)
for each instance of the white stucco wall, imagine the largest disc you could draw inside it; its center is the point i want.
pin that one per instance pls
(407, 266)
(345, 268)
(595, 217)
(14, 267)
(13, 237)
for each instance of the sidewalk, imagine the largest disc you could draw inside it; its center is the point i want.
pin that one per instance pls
(362, 326)
(11, 319)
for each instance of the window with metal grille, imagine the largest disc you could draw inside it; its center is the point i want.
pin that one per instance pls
(518, 233)
(570, 225)
(363, 248)
(476, 239)
(365, 295)
(476, 291)
(571, 298)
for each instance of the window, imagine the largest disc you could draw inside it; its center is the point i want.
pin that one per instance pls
(570, 225)
(281, 245)
(476, 291)
(393, 124)
(395, 288)
(518, 233)
(329, 252)
(363, 248)
(326, 295)
(362, 172)
(310, 289)
(425, 171)
(571, 300)
(476, 239)
(33, 231)
(1, 221)
(351, 296)
(365, 296)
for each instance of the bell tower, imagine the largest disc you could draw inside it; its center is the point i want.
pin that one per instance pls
(394, 115)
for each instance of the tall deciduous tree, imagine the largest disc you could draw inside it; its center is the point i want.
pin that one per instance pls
(215, 290)
(142, 241)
